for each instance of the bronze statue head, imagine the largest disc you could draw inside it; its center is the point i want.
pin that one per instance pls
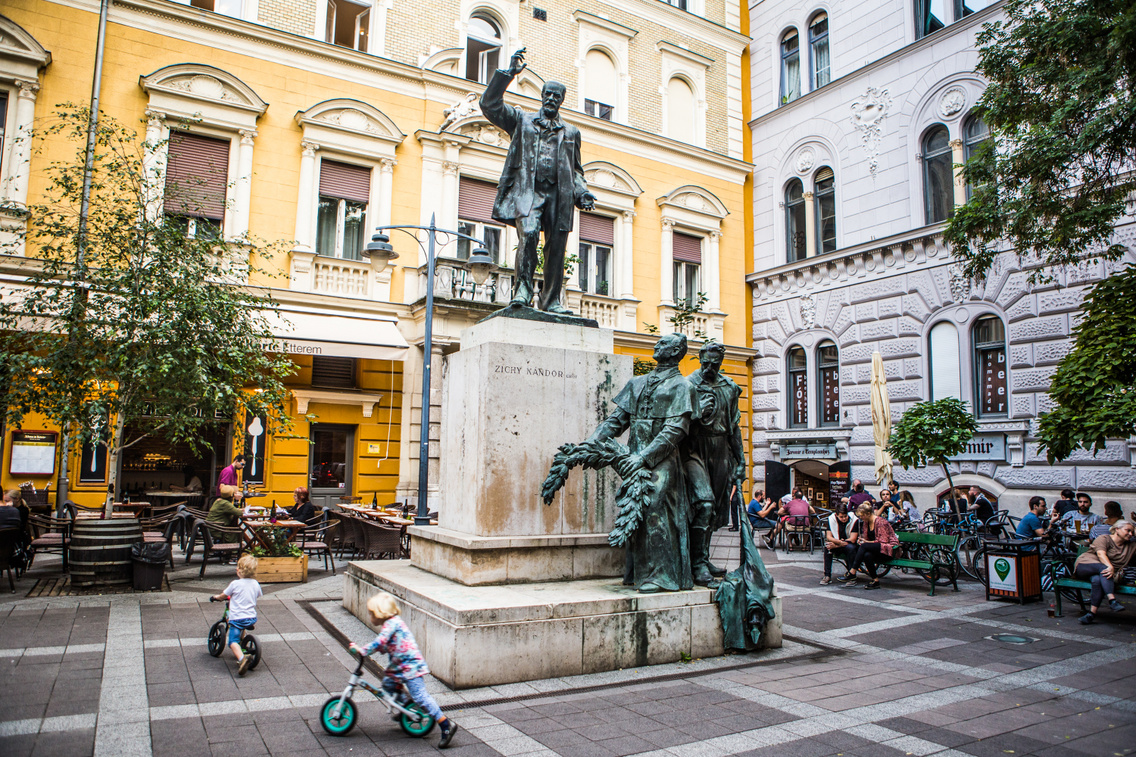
(551, 98)
(670, 350)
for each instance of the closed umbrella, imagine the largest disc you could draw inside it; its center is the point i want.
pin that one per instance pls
(881, 419)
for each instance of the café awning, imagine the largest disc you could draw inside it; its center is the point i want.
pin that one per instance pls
(312, 333)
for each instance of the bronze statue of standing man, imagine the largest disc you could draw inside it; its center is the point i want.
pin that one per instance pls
(542, 180)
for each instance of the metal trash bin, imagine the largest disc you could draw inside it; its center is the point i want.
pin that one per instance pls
(149, 565)
(1013, 569)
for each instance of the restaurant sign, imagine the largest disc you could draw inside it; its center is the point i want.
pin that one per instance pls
(816, 450)
(984, 448)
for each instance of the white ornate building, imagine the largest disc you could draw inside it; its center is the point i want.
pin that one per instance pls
(861, 113)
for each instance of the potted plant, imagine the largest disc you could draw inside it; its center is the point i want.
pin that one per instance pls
(278, 560)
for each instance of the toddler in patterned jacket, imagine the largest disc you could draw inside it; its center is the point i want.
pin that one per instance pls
(406, 663)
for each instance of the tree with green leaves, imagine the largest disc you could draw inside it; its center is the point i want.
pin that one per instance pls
(1051, 183)
(933, 432)
(150, 322)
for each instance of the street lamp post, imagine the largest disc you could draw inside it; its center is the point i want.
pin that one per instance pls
(480, 264)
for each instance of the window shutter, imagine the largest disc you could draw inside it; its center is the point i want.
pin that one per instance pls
(687, 248)
(345, 182)
(475, 200)
(197, 174)
(823, 174)
(333, 372)
(598, 229)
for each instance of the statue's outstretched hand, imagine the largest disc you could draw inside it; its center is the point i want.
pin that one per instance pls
(628, 465)
(517, 62)
(587, 201)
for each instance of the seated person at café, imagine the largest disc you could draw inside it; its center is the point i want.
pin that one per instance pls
(1080, 520)
(1031, 525)
(1102, 566)
(1067, 503)
(907, 502)
(224, 512)
(1112, 513)
(875, 539)
(762, 511)
(796, 507)
(192, 481)
(9, 513)
(839, 539)
(303, 509)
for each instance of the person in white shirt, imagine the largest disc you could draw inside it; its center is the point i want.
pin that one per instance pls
(242, 595)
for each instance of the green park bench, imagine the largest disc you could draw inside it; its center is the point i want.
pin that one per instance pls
(1075, 585)
(932, 556)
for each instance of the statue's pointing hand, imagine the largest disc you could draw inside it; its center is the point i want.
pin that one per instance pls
(517, 62)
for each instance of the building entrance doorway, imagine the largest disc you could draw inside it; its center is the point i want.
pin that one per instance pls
(329, 472)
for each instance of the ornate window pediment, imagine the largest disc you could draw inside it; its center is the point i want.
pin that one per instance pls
(607, 176)
(696, 199)
(21, 57)
(190, 90)
(350, 118)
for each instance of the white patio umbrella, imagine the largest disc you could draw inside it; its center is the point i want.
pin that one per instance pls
(881, 419)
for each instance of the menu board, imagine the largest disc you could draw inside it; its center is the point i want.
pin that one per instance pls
(838, 483)
(992, 367)
(33, 453)
(798, 385)
(830, 395)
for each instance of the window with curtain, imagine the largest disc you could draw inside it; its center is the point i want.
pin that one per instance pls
(601, 82)
(348, 24)
(938, 175)
(790, 66)
(597, 238)
(930, 17)
(828, 379)
(687, 253)
(991, 387)
(798, 388)
(795, 221)
(946, 374)
(818, 51)
(483, 48)
(197, 180)
(974, 135)
(681, 110)
(475, 217)
(824, 195)
(341, 219)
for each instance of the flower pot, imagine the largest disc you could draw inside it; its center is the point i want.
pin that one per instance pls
(282, 570)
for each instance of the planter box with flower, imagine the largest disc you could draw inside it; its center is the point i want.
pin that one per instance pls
(280, 561)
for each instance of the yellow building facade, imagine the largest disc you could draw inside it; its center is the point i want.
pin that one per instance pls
(332, 118)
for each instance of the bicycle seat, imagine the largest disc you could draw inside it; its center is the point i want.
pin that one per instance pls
(251, 627)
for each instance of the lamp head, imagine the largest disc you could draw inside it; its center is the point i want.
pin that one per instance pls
(480, 263)
(381, 250)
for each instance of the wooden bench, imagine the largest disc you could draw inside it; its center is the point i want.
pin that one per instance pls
(1077, 585)
(932, 556)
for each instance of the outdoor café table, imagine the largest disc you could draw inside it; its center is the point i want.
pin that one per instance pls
(252, 527)
(165, 497)
(132, 509)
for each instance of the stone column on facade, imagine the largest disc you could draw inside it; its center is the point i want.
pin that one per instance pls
(243, 200)
(711, 271)
(17, 179)
(451, 172)
(382, 194)
(958, 157)
(625, 252)
(386, 190)
(156, 151)
(810, 226)
(666, 264)
(308, 197)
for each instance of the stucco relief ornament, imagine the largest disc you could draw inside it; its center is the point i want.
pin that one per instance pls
(868, 113)
(808, 311)
(960, 284)
(806, 159)
(952, 101)
(463, 108)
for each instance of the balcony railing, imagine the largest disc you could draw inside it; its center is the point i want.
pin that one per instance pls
(326, 275)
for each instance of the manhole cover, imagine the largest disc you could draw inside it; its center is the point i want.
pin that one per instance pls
(1009, 638)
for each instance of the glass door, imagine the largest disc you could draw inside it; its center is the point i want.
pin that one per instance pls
(329, 471)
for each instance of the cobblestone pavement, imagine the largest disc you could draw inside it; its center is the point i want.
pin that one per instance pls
(891, 672)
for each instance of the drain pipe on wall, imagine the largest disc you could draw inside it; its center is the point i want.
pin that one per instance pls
(81, 239)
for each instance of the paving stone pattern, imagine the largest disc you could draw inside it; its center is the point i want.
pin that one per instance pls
(889, 672)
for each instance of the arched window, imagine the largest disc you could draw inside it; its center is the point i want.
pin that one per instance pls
(680, 111)
(938, 175)
(824, 195)
(991, 387)
(795, 238)
(790, 66)
(798, 389)
(828, 379)
(483, 48)
(819, 61)
(975, 134)
(602, 80)
(946, 376)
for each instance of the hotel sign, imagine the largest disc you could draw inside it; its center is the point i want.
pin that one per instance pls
(984, 448)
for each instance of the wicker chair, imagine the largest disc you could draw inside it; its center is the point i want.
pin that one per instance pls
(351, 535)
(381, 542)
(49, 535)
(231, 547)
(316, 542)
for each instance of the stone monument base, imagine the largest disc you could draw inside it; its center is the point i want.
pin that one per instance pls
(485, 560)
(489, 635)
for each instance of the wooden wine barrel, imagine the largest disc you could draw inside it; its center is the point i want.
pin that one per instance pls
(100, 552)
